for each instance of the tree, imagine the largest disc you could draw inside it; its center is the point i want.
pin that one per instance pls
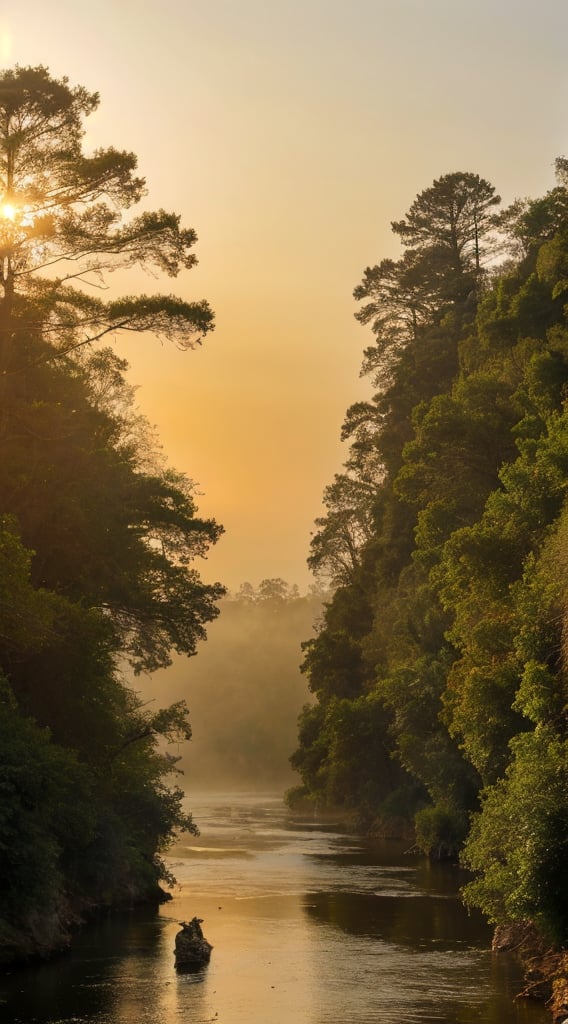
(109, 525)
(400, 299)
(62, 226)
(460, 644)
(518, 844)
(450, 223)
(349, 763)
(85, 810)
(461, 440)
(527, 223)
(273, 589)
(418, 308)
(98, 537)
(335, 550)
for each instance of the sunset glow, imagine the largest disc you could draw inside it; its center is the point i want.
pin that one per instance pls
(289, 139)
(284, 472)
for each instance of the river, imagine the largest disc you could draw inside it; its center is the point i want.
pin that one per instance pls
(309, 926)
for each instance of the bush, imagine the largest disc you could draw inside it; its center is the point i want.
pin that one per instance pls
(440, 831)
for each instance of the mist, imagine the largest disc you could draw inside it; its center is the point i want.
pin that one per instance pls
(244, 690)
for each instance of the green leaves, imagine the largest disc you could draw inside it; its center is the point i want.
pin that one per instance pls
(453, 619)
(98, 538)
(518, 844)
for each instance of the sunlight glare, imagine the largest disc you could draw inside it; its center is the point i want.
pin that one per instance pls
(5, 44)
(8, 211)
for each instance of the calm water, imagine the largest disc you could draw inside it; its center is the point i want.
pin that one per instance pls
(309, 926)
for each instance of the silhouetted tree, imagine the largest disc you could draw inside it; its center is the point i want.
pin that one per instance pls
(62, 226)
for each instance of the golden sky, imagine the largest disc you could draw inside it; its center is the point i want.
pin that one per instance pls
(289, 134)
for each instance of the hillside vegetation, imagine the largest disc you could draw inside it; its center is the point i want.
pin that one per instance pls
(439, 670)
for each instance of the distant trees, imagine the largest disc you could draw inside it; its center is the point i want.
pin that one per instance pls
(243, 732)
(98, 537)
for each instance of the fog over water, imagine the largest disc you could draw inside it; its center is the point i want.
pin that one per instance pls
(245, 691)
(288, 136)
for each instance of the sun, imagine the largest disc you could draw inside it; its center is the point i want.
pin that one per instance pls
(8, 211)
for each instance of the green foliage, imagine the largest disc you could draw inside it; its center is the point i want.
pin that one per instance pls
(85, 808)
(519, 844)
(334, 664)
(109, 525)
(461, 440)
(46, 813)
(453, 624)
(26, 614)
(335, 548)
(98, 538)
(345, 755)
(440, 831)
(425, 749)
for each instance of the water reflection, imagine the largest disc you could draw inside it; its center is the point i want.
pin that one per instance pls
(85, 983)
(308, 926)
(419, 922)
(412, 961)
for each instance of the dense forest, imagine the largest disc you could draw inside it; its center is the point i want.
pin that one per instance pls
(439, 671)
(98, 537)
(438, 668)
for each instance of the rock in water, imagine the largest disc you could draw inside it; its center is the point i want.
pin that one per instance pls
(192, 949)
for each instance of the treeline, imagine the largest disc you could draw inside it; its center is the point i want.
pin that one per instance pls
(245, 689)
(97, 536)
(439, 671)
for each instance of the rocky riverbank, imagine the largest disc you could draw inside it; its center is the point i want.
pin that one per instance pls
(546, 969)
(42, 934)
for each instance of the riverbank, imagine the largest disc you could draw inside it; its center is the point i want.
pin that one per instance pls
(545, 969)
(308, 922)
(48, 932)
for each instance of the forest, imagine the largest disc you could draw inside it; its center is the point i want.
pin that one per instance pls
(98, 536)
(439, 669)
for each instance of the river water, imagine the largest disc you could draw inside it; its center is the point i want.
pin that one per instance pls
(309, 926)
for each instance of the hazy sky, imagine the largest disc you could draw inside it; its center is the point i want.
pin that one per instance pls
(289, 134)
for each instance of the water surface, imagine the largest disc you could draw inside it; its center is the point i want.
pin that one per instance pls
(309, 926)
